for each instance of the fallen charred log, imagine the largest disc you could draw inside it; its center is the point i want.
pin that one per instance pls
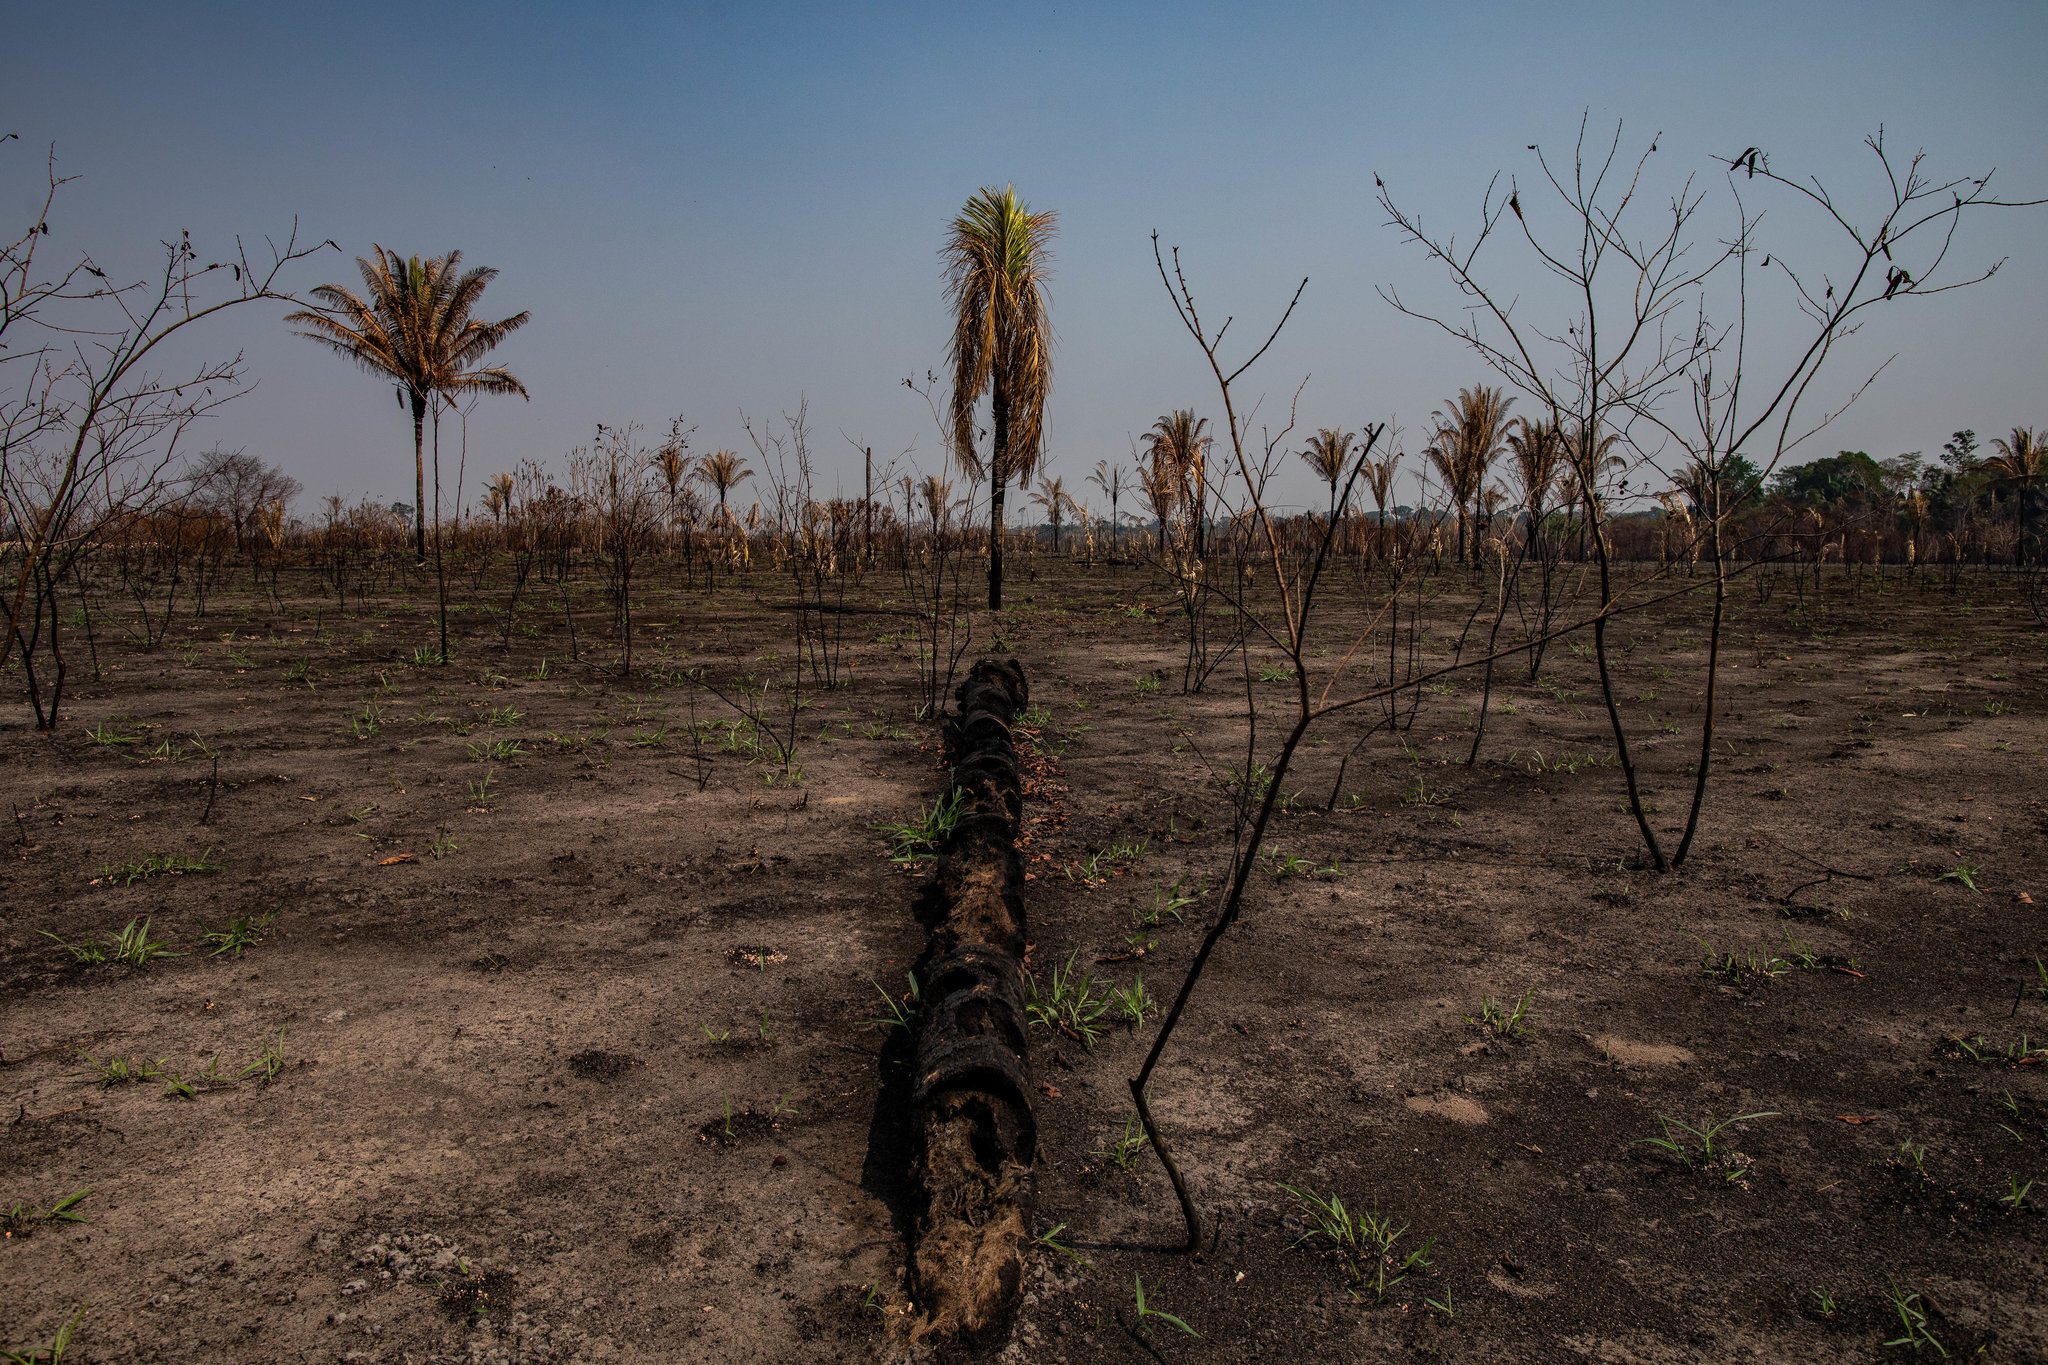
(971, 1100)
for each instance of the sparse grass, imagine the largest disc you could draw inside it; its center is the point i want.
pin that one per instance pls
(113, 1071)
(1504, 1022)
(503, 715)
(132, 946)
(1755, 965)
(1099, 867)
(1419, 794)
(1364, 1242)
(1124, 1147)
(1133, 1003)
(1534, 760)
(480, 791)
(1802, 955)
(110, 734)
(1702, 1148)
(53, 1354)
(1145, 1311)
(1166, 903)
(1281, 865)
(441, 845)
(1049, 1239)
(157, 865)
(242, 933)
(22, 1219)
(919, 838)
(494, 750)
(269, 1063)
(1071, 1007)
(1962, 873)
(2024, 1052)
(1912, 1316)
(900, 1011)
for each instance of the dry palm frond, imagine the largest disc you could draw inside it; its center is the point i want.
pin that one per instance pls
(1326, 453)
(415, 327)
(997, 262)
(2022, 458)
(1179, 452)
(1055, 499)
(724, 470)
(937, 495)
(1538, 449)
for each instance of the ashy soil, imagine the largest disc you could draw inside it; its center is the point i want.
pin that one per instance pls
(579, 1065)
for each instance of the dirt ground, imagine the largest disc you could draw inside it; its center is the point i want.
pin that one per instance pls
(585, 1076)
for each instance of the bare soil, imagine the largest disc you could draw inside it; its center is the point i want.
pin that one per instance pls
(586, 1076)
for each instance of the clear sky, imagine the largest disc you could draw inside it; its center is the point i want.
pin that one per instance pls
(717, 209)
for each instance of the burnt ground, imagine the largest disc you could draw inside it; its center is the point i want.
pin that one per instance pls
(593, 1083)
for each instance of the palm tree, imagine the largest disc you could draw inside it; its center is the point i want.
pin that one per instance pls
(1158, 487)
(997, 259)
(1110, 479)
(415, 329)
(1467, 442)
(1176, 441)
(937, 494)
(1055, 499)
(1379, 481)
(724, 470)
(1447, 455)
(1326, 453)
(2021, 464)
(672, 461)
(1538, 449)
(498, 496)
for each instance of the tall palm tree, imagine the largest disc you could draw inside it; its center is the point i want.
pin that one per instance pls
(1057, 501)
(724, 470)
(1158, 486)
(414, 328)
(1177, 442)
(2021, 464)
(1468, 440)
(1326, 453)
(498, 496)
(997, 259)
(1447, 454)
(1538, 449)
(1110, 479)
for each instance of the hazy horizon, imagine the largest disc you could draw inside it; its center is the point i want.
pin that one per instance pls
(716, 210)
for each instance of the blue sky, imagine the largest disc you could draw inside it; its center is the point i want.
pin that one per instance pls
(720, 209)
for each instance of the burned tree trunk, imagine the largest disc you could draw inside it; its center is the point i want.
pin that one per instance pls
(971, 1104)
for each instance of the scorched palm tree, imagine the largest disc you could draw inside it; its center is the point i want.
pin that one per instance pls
(1326, 453)
(1177, 443)
(997, 259)
(414, 328)
(2021, 464)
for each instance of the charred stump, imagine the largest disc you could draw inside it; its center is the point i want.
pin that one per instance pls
(971, 1101)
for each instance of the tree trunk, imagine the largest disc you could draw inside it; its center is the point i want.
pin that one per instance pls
(998, 476)
(440, 568)
(419, 475)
